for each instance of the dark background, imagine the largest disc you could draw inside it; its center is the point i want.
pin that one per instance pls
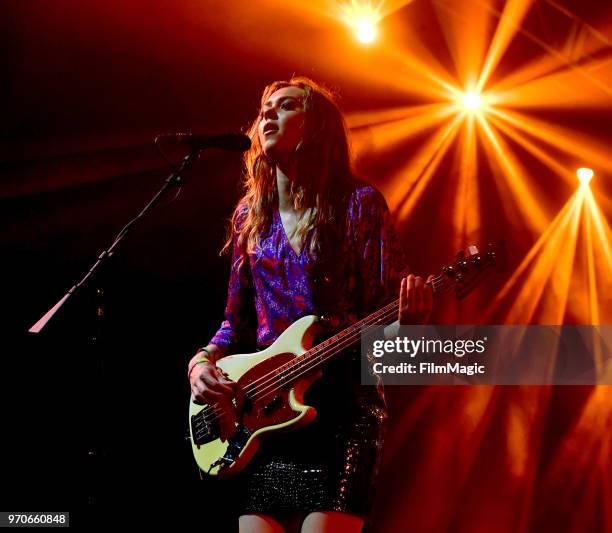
(86, 87)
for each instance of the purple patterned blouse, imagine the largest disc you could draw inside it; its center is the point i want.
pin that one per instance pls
(274, 287)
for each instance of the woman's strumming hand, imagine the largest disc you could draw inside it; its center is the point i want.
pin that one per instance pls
(210, 385)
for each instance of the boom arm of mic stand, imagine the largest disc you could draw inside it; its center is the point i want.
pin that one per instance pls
(175, 179)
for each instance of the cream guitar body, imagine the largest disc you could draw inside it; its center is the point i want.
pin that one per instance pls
(265, 403)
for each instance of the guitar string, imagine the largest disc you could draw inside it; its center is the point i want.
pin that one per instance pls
(302, 361)
(437, 282)
(276, 376)
(276, 379)
(311, 362)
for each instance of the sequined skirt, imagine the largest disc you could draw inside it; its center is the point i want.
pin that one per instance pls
(329, 465)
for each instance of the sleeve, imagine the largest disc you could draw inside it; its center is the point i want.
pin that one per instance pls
(383, 259)
(239, 324)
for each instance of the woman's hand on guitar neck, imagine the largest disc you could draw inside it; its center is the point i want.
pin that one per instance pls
(210, 385)
(416, 300)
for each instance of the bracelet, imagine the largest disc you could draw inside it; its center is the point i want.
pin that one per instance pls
(200, 360)
(205, 350)
(196, 364)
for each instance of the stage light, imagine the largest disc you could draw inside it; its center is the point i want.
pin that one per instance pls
(363, 18)
(472, 101)
(366, 30)
(585, 175)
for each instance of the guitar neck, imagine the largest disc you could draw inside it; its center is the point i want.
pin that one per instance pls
(350, 336)
(461, 277)
(345, 339)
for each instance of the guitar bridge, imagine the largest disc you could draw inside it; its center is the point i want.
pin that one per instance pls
(203, 430)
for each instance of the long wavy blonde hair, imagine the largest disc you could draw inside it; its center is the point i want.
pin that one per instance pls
(324, 175)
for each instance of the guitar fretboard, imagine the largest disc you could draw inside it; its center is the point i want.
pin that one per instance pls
(347, 338)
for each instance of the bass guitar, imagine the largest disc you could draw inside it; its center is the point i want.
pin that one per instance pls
(272, 383)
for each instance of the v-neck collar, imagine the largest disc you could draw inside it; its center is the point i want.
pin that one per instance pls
(286, 238)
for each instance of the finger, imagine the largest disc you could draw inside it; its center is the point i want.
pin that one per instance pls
(418, 293)
(203, 388)
(205, 398)
(210, 396)
(224, 378)
(428, 296)
(411, 295)
(403, 295)
(233, 386)
(218, 374)
(213, 383)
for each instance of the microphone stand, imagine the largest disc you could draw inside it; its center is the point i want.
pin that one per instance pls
(94, 448)
(174, 180)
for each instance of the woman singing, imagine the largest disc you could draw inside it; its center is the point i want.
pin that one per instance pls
(307, 238)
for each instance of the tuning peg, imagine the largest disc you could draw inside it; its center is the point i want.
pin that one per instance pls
(460, 254)
(449, 271)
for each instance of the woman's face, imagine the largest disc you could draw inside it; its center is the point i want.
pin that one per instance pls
(282, 125)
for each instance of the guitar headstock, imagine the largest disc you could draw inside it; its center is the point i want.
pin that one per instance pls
(470, 268)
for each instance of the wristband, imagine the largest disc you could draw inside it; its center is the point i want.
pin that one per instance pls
(200, 360)
(209, 353)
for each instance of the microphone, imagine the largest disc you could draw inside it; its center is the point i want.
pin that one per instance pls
(237, 142)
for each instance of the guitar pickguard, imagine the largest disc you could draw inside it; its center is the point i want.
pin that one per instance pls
(266, 401)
